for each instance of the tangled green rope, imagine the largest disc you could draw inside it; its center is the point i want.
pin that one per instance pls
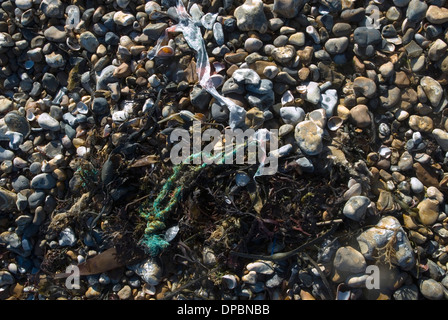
(156, 214)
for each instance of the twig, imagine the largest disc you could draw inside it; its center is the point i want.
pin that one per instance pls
(285, 255)
(189, 284)
(323, 277)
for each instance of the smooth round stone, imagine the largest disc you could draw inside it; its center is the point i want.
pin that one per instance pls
(407, 292)
(416, 185)
(280, 41)
(55, 60)
(365, 87)
(428, 211)
(250, 16)
(53, 33)
(199, 97)
(360, 116)
(437, 15)
(292, 115)
(36, 199)
(313, 94)
(6, 278)
(253, 45)
(242, 179)
(50, 82)
(100, 106)
(336, 45)
(24, 4)
(348, 260)
(433, 90)
(387, 69)
(437, 50)
(270, 72)
(17, 123)
(246, 76)
(5, 105)
(7, 199)
(6, 155)
(154, 30)
(123, 19)
(47, 122)
(297, 39)
(364, 36)
(406, 161)
(52, 8)
(416, 10)
(88, 41)
(219, 113)
(283, 55)
(329, 101)
(441, 136)
(285, 129)
(374, 238)
(341, 29)
(43, 181)
(393, 14)
(265, 86)
(422, 124)
(20, 183)
(356, 207)
(261, 267)
(431, 289)
(35, 167)
(305, 164)
(309, 137)
(287, 8)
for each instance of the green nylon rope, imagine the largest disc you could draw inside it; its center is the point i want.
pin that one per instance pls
(153, 242)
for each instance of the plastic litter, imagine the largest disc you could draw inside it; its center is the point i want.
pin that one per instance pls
(192, 34)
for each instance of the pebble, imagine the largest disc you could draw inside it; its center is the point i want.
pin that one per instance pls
(6, 278)
(431, 289)
(93, 292)
(47, 122)
(416, 185)
(336, 45)
(348, 260)
(250, 16)
(309, 137)
(88, 41)
(125, 293)
(43, 181)
(261, 267)
(365, 87)
(428, 211)
(17, 123)
(433, 90)
(52, 8)
(292, 115)
(378, 236)
(287, 8)
(360, 116)
(437, 14)
(356, 207)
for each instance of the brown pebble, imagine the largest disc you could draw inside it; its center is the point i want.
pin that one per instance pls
(360, 116)
(426, 174)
